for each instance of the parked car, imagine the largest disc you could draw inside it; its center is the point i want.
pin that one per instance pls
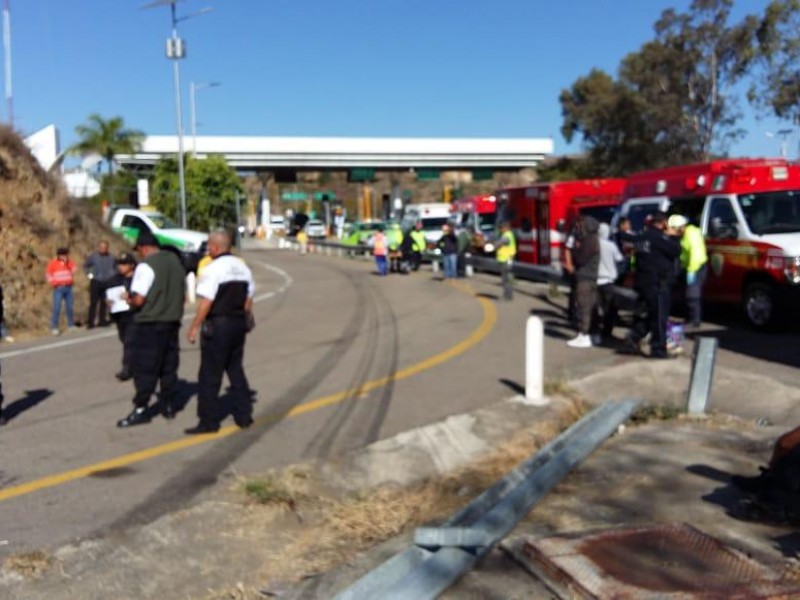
(316, 229)
(360, 232)
(277, 223)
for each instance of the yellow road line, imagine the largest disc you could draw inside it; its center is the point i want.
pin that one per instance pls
(486, 325)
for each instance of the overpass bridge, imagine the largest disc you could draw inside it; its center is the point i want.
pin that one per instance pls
(249, 153)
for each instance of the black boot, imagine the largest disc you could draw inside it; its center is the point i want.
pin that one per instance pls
(124, 375)
(138, 416)
(201, 428)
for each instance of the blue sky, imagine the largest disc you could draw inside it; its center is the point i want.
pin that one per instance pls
(430, 68)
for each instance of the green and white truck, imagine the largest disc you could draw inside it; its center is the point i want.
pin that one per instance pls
(190, 245)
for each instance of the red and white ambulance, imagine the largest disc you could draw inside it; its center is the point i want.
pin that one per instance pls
(749, 212)
(542, 214)
(477, 215)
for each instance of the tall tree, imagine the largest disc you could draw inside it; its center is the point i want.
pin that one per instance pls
(211, 188)
(777, 86)
(107, 138)
(673, 100)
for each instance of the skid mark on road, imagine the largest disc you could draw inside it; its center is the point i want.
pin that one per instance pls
(487, 323)
(287, 282)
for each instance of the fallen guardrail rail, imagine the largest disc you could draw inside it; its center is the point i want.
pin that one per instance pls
(440, 555)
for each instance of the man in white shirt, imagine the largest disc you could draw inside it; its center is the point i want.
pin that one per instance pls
(224, 316)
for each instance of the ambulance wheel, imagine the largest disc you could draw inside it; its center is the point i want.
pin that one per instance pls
(759, 305)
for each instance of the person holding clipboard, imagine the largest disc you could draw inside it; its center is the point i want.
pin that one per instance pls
(117, 292)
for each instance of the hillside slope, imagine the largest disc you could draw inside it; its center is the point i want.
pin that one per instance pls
(36, 217)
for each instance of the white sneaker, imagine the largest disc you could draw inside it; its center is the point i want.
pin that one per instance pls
(55, 332)
(580, 341)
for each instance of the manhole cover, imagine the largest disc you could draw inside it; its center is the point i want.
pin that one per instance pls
(661, 561)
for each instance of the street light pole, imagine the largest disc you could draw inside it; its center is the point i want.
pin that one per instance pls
(176, 50)
(193, 89)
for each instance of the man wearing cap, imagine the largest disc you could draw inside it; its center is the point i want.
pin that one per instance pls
(157, 294)
(224, 315)
(118, 289)
(693, 262)
(61, 276)
(656, 255)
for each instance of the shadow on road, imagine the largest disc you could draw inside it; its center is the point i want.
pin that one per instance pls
(773, 347)
(488, 296)
(513, 386)
(31, 399)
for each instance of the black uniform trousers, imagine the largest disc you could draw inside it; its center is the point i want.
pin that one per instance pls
(125, 325)
(507, 278)
(652, 316)
(97, 303)
(155, 359)
(221, 351)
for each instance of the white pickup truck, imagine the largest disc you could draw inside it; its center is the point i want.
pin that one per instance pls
(191, 245)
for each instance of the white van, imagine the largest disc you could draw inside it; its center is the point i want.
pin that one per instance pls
(432, 215)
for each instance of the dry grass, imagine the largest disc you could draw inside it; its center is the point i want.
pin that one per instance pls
(343, 528)
(31, 565)
(646, 413)
(36, 217)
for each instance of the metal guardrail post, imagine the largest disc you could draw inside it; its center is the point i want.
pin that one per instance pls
(705, 355)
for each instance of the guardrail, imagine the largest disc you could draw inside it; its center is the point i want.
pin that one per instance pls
(440, 555)
(626, 297)
(326, 247)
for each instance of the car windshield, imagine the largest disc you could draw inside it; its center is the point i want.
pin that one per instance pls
(487, 221)
(369, 226)
(434, 222)
(602, 214)
(772, 212)
(162, 222)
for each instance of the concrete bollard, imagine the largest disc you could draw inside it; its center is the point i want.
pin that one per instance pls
(534, 363)
(435, 265)
(469, 270)
(191, 285)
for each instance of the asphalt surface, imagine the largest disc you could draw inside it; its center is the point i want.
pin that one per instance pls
(340, 358)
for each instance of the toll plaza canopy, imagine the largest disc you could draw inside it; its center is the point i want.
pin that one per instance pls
(265, 153)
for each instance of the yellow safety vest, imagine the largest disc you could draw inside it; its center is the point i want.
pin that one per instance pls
(420, 243)
(508, 251)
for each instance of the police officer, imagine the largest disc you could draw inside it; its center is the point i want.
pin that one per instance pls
(656, 255)
(505, 246)
(224, 315)
(157, 293)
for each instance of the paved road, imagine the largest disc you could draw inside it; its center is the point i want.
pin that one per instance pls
(340, 358)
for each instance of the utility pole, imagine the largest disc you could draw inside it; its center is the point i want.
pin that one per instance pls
(7, 60)
(176, 50)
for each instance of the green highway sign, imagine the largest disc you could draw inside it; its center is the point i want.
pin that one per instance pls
(294, 196)
(427, 174)
(361, 174)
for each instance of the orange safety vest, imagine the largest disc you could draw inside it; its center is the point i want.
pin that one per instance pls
(379, 245)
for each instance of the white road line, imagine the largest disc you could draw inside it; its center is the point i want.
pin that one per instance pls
(287, 282)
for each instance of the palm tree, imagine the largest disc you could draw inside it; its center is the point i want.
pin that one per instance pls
(106, 138)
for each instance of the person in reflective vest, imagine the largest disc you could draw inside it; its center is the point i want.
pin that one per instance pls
(418, 245)
(506, 250)
(693, 262)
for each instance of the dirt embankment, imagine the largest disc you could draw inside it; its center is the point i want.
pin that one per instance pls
(36, 217)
